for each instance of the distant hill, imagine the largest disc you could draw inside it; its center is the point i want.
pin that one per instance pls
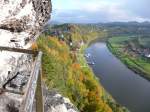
(126, 28)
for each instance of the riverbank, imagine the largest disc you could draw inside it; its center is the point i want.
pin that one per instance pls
(135, 63)
(105, 95)
(123, 84)
(64, 71)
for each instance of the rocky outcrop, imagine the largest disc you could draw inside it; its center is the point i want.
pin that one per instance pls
(55, 102)
(21, 22)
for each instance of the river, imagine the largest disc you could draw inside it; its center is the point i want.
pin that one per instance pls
(126, 87)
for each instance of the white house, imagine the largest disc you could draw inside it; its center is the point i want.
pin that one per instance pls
(148, 56)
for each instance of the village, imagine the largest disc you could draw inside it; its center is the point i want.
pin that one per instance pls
(137, 50)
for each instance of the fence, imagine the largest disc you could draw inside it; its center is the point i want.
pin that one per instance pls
(33, 93)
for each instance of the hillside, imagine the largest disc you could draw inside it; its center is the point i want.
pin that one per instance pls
(125, 28)
(63, 71)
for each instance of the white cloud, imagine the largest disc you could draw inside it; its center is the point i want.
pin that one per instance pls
(100, 10)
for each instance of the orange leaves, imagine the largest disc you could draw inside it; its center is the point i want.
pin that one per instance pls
(34, 46)
(91, 96)
(64, 57)
(73, 57)
(95, 103)
(54, 42)
(62, 42)
(76, 66)
(62, 72)
(81, 77)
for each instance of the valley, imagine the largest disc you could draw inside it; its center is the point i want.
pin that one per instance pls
(97, 86)
(133, 51)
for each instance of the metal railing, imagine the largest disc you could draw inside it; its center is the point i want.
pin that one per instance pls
(33, 92)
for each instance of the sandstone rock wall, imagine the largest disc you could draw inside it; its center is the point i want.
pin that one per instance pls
(21, 21)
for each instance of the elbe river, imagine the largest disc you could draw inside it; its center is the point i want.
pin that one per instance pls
(127, 88)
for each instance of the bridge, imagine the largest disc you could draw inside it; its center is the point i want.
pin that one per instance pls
(32, 95)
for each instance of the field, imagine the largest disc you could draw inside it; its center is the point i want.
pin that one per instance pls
(145, 42)
(118, 46)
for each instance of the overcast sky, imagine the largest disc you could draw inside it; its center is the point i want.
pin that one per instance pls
(93, 11)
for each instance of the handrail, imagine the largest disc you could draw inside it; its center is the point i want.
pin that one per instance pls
(18, 50)
(29, 96)
(33, 90)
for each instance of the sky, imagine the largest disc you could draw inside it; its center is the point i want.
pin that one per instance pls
(95, 11)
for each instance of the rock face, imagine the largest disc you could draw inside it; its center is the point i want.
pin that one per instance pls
(55, 102)
(21, 21)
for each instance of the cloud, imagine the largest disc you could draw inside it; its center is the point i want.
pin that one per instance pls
(92, 11)
(139, 7)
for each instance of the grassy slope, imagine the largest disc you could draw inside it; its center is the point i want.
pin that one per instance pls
(63, 72)
(137, 64)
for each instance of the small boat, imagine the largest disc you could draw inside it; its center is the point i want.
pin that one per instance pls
(87, 55)
(91, 63)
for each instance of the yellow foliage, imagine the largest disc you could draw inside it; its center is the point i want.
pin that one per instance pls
(81, 78)
(61, 71)
(76, 66)
(64, 56)
(34, 46)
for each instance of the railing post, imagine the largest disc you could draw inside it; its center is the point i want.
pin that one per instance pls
(39, 94)
(34, 89)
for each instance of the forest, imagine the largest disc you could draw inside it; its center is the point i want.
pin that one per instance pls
(63, 71)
